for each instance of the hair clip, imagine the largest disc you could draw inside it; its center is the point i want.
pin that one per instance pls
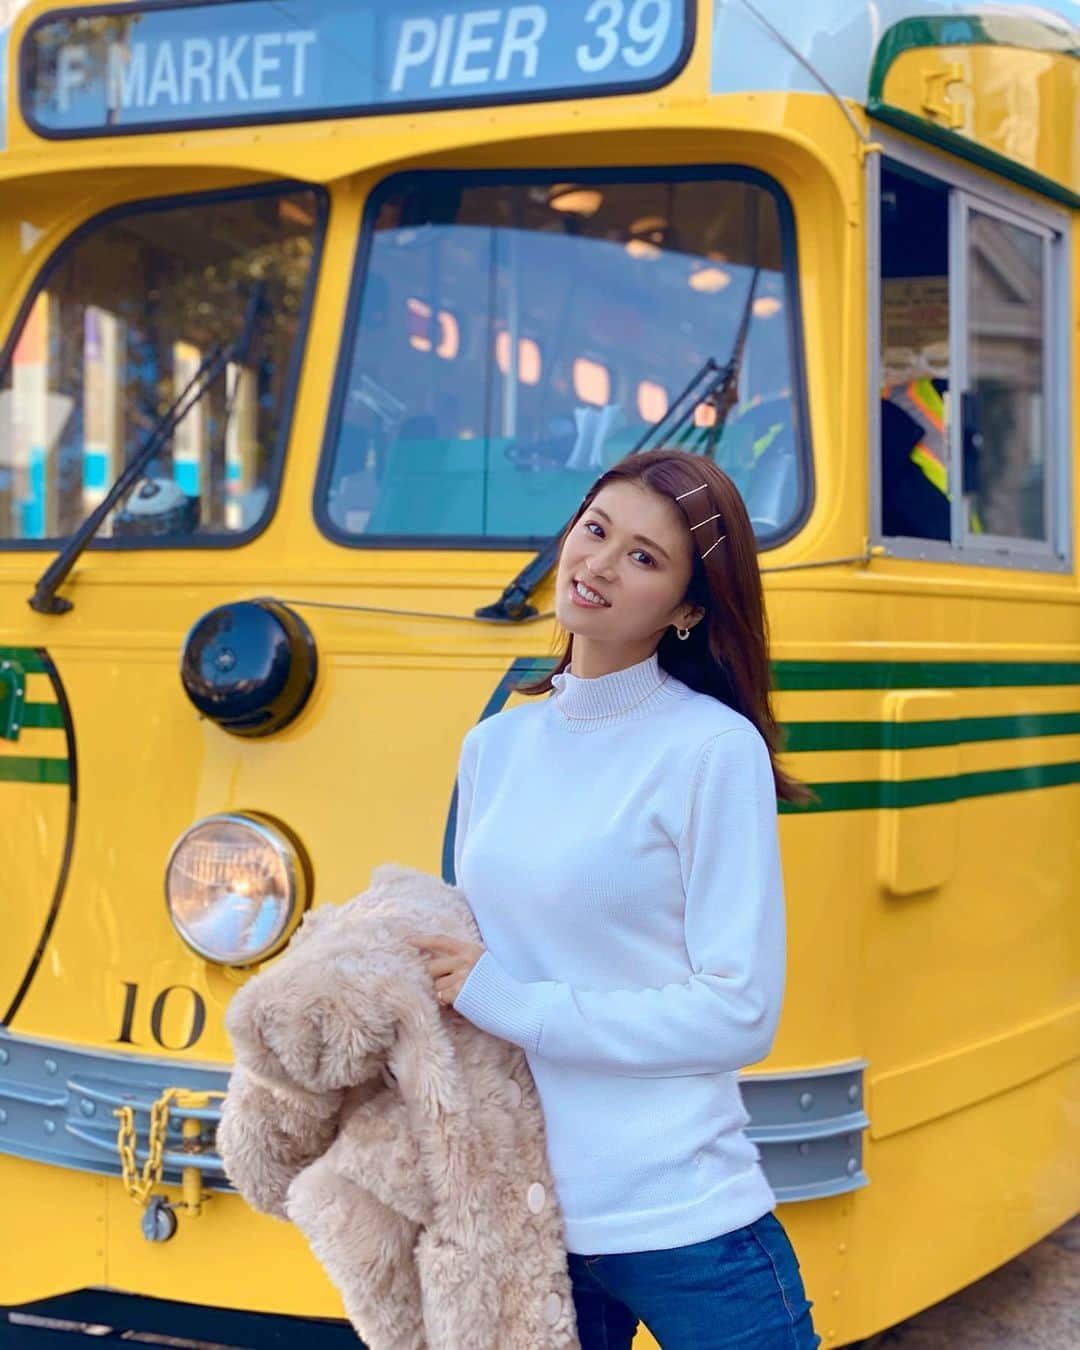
(706, 521)
(689, 490)
(712, 546)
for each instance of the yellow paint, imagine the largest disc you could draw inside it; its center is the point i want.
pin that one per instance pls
(933, 942)
(918, 844)
(1020, 104)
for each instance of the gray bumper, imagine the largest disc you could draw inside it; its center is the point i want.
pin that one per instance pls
(57, 1103)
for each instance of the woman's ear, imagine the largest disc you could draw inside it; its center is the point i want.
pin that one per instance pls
(692, 616)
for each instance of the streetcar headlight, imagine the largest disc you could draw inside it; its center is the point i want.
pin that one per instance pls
(236, 887)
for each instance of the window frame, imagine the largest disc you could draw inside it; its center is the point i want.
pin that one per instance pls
(970, 190)
(276, 466)
(517, 543)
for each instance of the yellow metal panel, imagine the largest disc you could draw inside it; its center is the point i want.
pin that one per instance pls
(1019, 104)
(925, 1227)
(920, 1092)
(52, 1223)
(918, 844)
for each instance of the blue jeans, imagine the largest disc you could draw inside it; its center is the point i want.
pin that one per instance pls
(741, 1289)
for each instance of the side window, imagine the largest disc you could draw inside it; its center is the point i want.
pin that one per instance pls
(119, 325)
(971, 450)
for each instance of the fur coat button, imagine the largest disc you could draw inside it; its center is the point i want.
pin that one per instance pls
(512, 1092)
(552, 1308)
(536, 1197)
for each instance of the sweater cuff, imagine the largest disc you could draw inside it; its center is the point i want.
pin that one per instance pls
(494, 1001)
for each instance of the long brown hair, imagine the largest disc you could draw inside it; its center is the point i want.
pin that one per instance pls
(727, 652)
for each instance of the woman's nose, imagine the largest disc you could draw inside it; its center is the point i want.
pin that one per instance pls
(600, 566)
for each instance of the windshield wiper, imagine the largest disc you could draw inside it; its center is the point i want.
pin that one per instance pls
(713, 385)
(44, 599)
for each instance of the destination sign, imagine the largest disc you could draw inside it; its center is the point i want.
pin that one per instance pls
(123, 68)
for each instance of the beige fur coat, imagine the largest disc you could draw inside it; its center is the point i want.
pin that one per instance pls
(406, 1143)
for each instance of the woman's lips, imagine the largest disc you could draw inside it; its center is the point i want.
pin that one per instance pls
(580, 599)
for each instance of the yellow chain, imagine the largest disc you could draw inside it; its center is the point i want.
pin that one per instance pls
(140, 1188)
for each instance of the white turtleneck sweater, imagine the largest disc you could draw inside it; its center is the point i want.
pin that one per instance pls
(617, 844)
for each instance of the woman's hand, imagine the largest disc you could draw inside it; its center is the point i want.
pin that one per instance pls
(451, 963)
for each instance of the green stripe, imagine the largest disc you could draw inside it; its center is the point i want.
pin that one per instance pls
(974, 152)
(805, 736)
(871, 796)
(42, 715)
(791, 675)
(25, 657)
(33, 769)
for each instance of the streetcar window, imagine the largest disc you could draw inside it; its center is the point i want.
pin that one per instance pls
(915, 369)
(1005, 411)
(120, 323)
(971, 395)
(612, 291)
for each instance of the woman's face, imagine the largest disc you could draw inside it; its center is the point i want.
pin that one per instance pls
(632, 548)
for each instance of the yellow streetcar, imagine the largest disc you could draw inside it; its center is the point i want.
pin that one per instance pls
(316, 321)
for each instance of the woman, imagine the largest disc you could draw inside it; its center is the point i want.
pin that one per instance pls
(617, 843)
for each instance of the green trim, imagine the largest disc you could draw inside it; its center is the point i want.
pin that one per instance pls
(806, 736)
(964, 148)
(886, 795)
(26, 657)
(33, 769)
(955, 30)
(792, 675)
(42, 715)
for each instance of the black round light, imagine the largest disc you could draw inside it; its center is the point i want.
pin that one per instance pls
(249, 666)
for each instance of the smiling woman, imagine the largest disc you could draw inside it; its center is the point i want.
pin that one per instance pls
(647, 940)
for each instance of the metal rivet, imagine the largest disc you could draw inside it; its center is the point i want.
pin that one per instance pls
(852, 1166)
(3, 1055)
(804, 1148)
(15, 726)
(806, 1100)
(50, 1127)
(88, 1107)
(51, 1066)
(3, 1116)
(853, 1093)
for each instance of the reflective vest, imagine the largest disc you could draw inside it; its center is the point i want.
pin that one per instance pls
(922, 402)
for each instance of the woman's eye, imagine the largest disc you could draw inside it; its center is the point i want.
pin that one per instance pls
(590, 523)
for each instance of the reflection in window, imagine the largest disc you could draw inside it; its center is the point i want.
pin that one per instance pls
(1005, 476)
(611, 297)
(652, 401)
(592, 382)
(117, 330)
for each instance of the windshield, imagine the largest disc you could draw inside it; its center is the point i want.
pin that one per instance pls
(511, 339)
(115, 330)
